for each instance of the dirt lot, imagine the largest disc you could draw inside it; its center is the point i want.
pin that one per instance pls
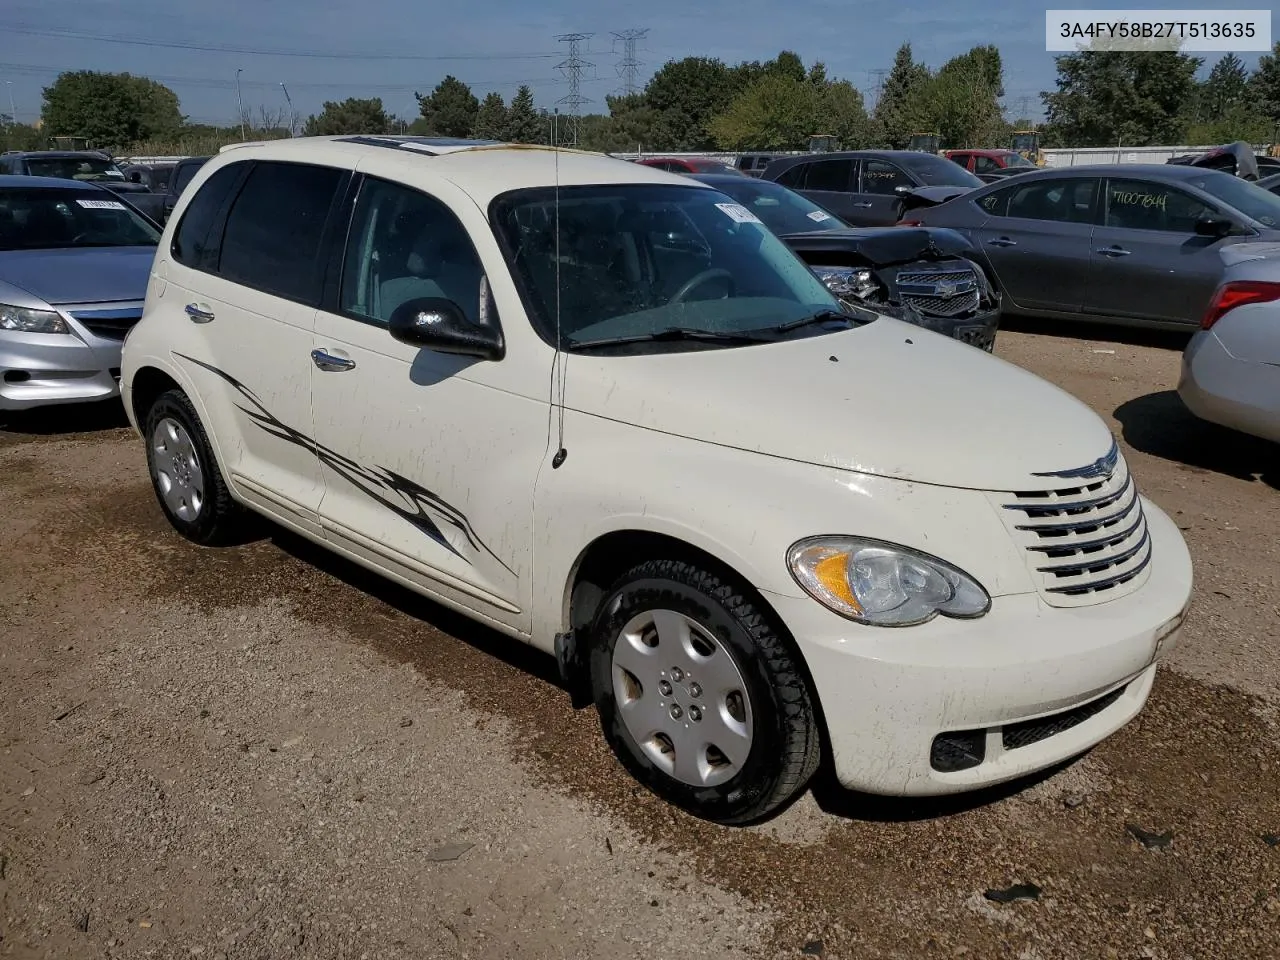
(262, 752)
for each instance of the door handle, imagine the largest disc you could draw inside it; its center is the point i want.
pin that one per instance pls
(1002, 242)
(1113, 251)
(865, 204)
(329, 363)
(197, 313)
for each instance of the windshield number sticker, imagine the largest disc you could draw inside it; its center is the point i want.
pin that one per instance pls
(101, 204)
(818, 216)
(738, 213)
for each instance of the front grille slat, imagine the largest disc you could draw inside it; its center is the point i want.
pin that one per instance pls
(919, 289)
(111, 324)
(1086, 542)
(1024, 734)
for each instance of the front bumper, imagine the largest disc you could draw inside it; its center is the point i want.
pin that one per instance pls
(1223, 389)
(978, 330)
(887, 694)
(41, 369)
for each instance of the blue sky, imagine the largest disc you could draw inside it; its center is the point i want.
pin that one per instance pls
(499, 43)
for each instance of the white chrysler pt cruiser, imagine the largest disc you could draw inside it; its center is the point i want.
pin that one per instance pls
(602, 409)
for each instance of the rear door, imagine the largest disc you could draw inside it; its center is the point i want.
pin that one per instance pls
(831, 184)
(1037, 238)
(1148, 263)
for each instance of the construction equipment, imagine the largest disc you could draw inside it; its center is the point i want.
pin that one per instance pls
(823, 143)
(1026, 143)
(925, 142)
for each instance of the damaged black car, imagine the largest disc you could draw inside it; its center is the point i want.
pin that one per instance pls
(927, 276)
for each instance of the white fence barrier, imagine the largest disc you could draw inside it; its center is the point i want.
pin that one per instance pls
(1083, 156)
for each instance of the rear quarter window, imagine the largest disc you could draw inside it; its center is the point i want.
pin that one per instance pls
(192, 244)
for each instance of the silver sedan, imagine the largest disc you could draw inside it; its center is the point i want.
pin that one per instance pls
(74, 265)
(1231, 367)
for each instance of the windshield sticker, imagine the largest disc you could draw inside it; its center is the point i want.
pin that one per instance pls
(738, 213)
(818, 215)
(101, 204)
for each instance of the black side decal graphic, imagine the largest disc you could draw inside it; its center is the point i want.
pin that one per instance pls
(415, 503)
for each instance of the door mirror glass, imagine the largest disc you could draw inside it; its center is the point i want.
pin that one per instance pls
(440, 325)
(1213, 227)
(136, 176)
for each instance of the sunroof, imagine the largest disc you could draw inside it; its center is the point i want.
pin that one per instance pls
(418, 144)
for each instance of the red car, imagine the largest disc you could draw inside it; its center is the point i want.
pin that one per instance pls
(689, 165)
(991, 163)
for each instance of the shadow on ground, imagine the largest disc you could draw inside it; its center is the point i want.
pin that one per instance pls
(1160, 424)
(1086, 330)
(62, 419)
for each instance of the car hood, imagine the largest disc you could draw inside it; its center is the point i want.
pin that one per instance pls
(82, 275)
(888, 399)
(884, 245)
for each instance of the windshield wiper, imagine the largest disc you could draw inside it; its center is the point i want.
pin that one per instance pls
(822, 316)
(671, 334)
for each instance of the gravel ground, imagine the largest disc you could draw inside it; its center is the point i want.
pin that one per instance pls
(264, 751)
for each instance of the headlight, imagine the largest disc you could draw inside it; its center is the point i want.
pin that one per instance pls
(846, 281)
(22, 320)
(883, 584)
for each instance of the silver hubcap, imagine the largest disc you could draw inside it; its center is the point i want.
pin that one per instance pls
(176, 469)
(682, 698)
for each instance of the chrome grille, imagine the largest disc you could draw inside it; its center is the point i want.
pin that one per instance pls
(1085, 543)
(939, 293)
(112, 324)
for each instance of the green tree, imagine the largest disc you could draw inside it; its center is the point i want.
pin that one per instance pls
(893, 113)
(776, 113)
(843, 114)
(1226, 89)
(524, 124)
(961, 101)
(350, 116)
(20, 136)
(1264, 85)
(1127, 97)
(110, 109)
(450, 109)
(685, 95)
(491, 118)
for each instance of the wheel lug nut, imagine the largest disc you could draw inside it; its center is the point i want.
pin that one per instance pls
(695, 714)
(695, 690)
(677, 674)
(664, 688)
(676, 712)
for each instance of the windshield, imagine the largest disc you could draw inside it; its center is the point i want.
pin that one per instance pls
(783, 211)
(57, 219)
(1250, 199)
(635, 260)
(934, 171)
(1017, 160)
(74, 168)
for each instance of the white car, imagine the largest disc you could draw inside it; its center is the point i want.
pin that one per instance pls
(1231, 366)
(603, 410)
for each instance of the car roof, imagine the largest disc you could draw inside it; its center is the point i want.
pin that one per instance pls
(59, 153)
(13, 181)
(1171, 172)
(482, 168)
(980, 152)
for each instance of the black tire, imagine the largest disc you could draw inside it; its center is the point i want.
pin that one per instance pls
(785, 747)
(220, 519)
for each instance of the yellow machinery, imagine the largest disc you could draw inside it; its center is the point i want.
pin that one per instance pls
(823, 143)
(1026, 143)
(926, 142)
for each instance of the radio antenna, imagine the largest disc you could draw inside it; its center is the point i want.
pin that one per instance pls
(561, 357)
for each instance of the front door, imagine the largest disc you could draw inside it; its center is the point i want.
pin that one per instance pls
(429, 461)
(1148, 262)
(247, 292)
(880, 182)
(1037, 239)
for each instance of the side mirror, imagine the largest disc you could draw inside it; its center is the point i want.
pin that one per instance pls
(440, 325)
(1214, 227)
(902, 189)
(135, 176)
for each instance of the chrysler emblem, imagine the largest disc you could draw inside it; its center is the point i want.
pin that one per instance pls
(1101, 467)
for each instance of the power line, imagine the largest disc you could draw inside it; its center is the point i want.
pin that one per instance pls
(255, 51)
(629, 66)
(879, 75)
(572, 68)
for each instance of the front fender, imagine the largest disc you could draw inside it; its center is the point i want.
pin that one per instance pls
(746, 509)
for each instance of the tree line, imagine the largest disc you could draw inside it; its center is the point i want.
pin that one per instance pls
(1101, 98)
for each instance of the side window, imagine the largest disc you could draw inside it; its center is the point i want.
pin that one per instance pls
(882, 177)
(996, 204)
(192, 245)
(404, 245)
(272, 238)
(984, 165)
(1140, 205)
(833, 175)
(1063, 201)
(793, 177)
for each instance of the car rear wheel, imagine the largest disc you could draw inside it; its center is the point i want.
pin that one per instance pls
(185, 475)
(700, 697)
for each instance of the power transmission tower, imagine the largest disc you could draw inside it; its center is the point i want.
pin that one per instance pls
(879, 75)
(573, 68)
(629, 66)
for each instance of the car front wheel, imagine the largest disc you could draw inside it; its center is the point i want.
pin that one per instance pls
(701, 698)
